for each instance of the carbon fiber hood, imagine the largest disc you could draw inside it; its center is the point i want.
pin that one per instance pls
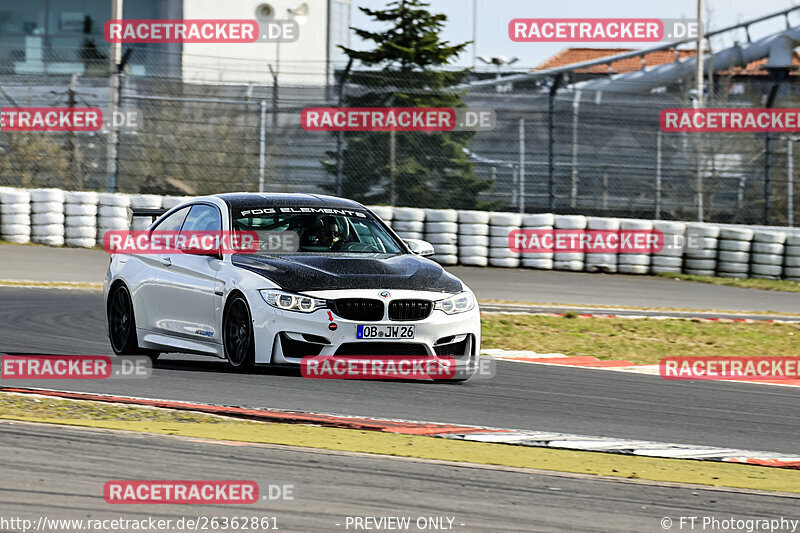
(309, 272)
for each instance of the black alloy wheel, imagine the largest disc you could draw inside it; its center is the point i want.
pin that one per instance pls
(121, 322)
(238, 334)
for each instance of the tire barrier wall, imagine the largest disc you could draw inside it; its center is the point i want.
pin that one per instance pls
(471, 238)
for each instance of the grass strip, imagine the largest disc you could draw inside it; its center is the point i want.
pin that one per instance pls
(635, 308)
(749, 283)
(169, 422)
(641, 341)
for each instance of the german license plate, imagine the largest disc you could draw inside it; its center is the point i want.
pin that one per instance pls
(385, 332)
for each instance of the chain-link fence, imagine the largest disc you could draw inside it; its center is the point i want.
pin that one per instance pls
(573, 152)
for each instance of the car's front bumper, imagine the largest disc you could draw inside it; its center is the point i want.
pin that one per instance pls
(284, 337)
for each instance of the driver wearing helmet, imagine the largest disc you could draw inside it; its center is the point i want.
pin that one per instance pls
(327, 235)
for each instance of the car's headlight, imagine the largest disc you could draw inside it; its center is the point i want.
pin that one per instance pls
(458, 303)
(287, 301)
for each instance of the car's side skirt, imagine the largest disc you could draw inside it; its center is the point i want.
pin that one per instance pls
(167, 343)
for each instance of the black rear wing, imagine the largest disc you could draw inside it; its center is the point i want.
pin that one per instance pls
(153, 214)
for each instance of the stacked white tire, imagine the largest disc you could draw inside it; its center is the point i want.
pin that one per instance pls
(80, 219)
(700, 257)
(408, 222)
(791, 257)
(144, 201)
(733, 257)
(605, 262)
(15, 215)
(112, 214)
(543, 224)
(384, 212)
(441, 230)
(168, 202)
(670, 259)
(473, 238)
(47, 216)
(500, 227)
(569, 260)
(634, 263)
(766, 254)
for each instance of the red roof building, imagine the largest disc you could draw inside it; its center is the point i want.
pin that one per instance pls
(570, 56)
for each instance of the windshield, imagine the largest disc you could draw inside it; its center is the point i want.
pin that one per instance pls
(331, 231)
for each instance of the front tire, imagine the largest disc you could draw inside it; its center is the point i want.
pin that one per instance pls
(237, 334)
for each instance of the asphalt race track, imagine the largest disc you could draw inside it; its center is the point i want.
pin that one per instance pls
(524, 396)
(63, 469)
(330, 487)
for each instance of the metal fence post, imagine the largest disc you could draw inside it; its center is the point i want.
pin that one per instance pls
(72, 140)
(551, 139)
(340, 133)
(767, 179)
(658, 175)
(550, 146)
(262, 145)
(522, 165)
(699, 178)
(699, 81)
(789, 182)
(392, 189)
(115, 174)
(514, 186)
(274, 73)
(113, 88)
(574, 188)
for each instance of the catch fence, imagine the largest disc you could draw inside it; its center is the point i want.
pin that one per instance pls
(573, 152)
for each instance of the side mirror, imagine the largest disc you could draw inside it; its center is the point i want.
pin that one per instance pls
(420, 247)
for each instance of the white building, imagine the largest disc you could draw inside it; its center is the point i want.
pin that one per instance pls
(310, 60)
(43, 36)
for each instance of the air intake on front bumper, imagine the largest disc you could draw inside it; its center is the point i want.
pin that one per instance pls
(451, 346)
(362, 309)
(295, 349)
(409, 309)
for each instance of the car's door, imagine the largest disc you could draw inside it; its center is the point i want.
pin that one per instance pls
(145, 291)
(187, 294)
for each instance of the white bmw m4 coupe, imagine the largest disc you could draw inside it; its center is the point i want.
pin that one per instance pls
(351, 287)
